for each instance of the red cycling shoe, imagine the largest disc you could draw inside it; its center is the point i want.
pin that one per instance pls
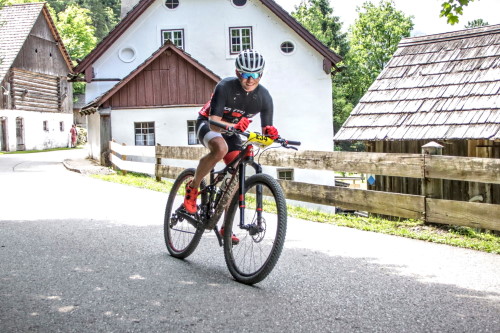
(190, 199)
(234, 239)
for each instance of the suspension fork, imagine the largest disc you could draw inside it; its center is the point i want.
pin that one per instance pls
(241, 190)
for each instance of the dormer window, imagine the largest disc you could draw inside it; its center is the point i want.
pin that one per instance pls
(176, 36)
(172, 4)
(240, 39)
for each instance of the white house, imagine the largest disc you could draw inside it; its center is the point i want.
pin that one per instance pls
(141, 91)
(36, 106)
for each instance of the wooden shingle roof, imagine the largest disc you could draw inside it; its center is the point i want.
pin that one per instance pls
(16, 23)
(443, 86)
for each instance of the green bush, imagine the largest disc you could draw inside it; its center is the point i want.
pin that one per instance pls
(82, 136)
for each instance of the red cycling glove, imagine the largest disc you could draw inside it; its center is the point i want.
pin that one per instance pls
(271, 132)
(242, 125)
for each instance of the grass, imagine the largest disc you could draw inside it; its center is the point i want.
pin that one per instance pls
(464, 237)
(35, 151)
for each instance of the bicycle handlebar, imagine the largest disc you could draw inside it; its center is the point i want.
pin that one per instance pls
(281, 141)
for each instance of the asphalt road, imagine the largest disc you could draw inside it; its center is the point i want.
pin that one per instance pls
(83, 255)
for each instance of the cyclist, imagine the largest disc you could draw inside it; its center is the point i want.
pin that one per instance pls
(235, 100)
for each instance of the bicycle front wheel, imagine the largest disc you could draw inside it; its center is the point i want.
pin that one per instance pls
(262, 233)
(182, 234)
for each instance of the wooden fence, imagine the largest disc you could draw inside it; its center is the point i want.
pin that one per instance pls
(430, 168)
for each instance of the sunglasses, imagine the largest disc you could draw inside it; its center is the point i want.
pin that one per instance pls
(246, 76)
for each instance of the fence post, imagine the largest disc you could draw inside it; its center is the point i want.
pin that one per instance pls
(431, 188)
(158, 163)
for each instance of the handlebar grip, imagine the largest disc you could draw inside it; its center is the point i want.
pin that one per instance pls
(293, 143)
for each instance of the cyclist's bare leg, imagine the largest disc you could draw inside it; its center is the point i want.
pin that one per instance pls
(218, 149)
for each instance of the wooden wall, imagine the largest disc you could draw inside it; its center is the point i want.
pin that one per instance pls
(37, 80)
(169, 80)
(452, 189)
(40, 53)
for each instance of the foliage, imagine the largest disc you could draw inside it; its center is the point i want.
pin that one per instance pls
(317, 17)
(476, 24)
(451, 9)
(104, 13)
(77, 33)
(374, 38)
(371, 42)
(82, 136)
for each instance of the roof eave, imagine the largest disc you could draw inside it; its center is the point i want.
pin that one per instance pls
(117, 31)
(143, 5)
(302, 32)
(167, 46)
(57, 37)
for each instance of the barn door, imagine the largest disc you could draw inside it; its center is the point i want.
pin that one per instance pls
(20, 133)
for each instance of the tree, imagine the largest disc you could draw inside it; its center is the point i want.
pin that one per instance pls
(317, 17)
(452, 8)
(373, 39)
(476, 24)
(105, 15)
(75, 26)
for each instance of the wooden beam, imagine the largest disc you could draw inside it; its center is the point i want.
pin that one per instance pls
(400, 165)
(181, 153)
(165, 171)
(471, 169)
(393, 204)
(470, 214)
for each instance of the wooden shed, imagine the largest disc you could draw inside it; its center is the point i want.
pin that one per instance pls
(36, 106)
(443, 88)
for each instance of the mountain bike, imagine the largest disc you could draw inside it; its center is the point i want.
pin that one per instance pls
(254, 210)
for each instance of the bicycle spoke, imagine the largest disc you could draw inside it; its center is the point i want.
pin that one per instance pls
(181, 234)
(262, 236)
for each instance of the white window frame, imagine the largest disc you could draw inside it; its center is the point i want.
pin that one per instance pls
(191, 131)
(285, 174)
(177, 41)
(240, 45)
(144, 133)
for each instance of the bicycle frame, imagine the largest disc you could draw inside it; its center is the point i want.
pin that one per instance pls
(244, 158)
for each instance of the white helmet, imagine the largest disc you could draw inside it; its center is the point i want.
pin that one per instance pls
(250, 61)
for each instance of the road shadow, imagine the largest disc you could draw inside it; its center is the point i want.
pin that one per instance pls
(96, 276)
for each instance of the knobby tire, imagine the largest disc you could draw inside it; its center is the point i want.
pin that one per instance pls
(254, 257)
(181, 237)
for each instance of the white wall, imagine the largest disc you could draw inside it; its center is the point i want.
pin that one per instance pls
(170, 124)
(35, 138)
(94, 136)
(300, 88)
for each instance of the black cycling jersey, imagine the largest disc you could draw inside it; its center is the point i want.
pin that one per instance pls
(231, 102)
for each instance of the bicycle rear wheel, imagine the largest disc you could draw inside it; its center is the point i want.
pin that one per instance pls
(182, 234)
(263, 235)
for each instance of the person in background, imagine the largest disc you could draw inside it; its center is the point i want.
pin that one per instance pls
(74, 135)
